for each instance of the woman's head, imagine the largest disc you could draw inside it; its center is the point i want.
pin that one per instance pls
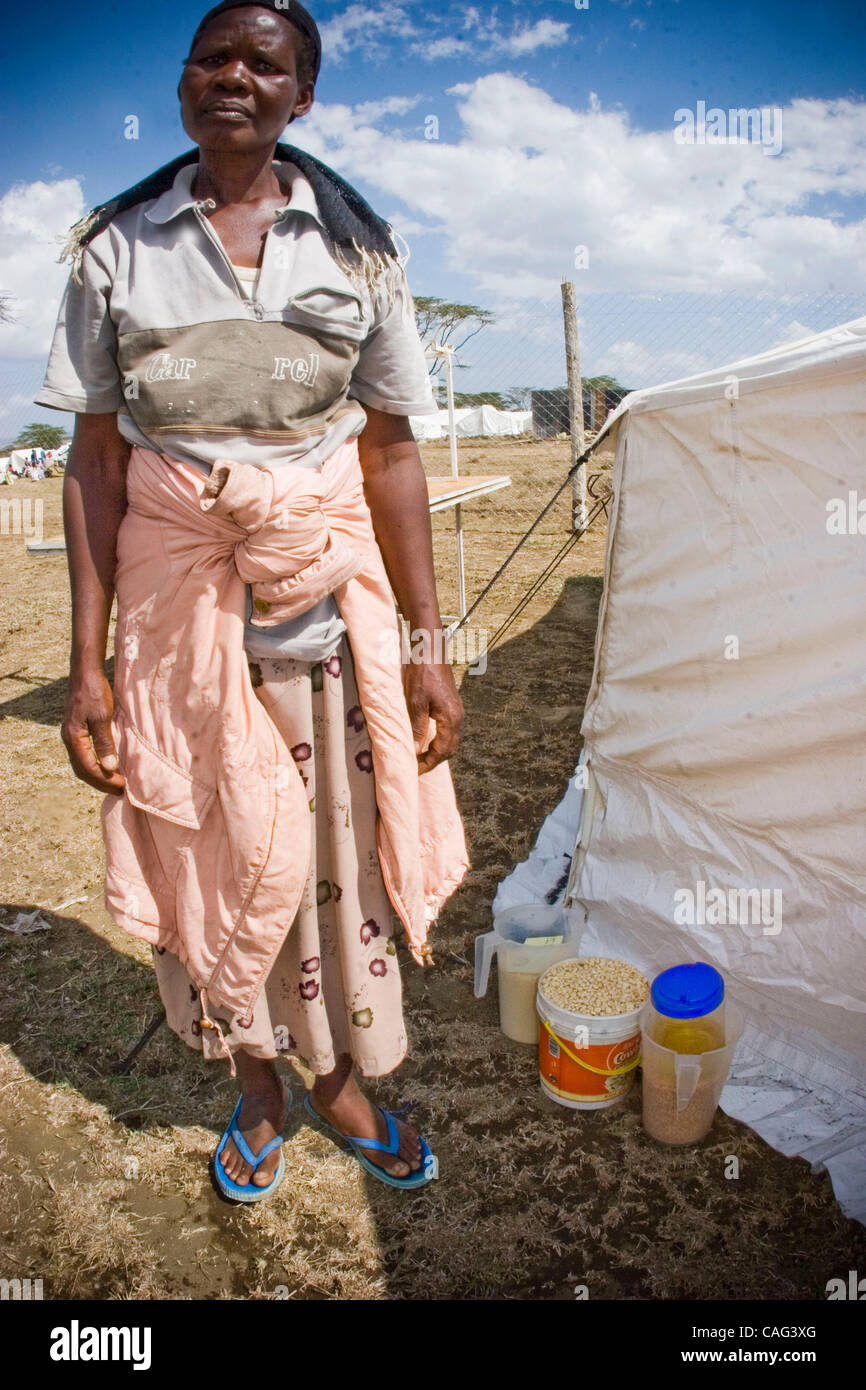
(251, 70)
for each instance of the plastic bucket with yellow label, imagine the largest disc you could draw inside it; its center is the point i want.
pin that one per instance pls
(586, 1062)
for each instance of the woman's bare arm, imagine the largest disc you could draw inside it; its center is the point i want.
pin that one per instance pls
(94, 501)
(396, 492)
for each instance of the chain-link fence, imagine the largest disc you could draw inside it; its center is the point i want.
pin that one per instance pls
(517, 362)
(626, 341)
(20, 380)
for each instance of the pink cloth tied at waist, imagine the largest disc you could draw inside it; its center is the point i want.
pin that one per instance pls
(282, 543)
(208, 849)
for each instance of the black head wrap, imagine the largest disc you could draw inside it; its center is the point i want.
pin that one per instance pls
(289, 9)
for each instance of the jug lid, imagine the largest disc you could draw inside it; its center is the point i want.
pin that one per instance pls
(687, 991)
(530, 921)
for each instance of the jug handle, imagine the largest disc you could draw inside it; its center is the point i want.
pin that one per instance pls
(485, 950)
(688, 1072)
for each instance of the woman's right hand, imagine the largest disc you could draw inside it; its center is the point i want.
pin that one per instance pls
(94, 503)
(86, 731)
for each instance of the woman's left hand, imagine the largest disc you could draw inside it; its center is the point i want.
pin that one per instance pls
(432, 694)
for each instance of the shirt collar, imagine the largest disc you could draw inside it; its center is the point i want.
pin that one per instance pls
(178, 197)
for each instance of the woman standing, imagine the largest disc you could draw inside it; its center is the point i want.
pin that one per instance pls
(231, 323)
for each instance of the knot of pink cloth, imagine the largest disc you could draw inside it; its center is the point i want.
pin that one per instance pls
(288, 554)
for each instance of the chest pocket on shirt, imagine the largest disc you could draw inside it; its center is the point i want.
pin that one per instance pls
(334, 312)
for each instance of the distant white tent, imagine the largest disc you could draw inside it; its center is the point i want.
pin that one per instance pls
(429, 426)
(483, 421)
(725, 728)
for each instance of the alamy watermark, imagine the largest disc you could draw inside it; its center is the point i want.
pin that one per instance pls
(21, 517)
(466, 646)
(704, 906)
(846, 516)
(20, 1290)
(77, 1343)
(852, 1288)
(737, 126)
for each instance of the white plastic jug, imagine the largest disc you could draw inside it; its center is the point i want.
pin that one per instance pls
(525, 940)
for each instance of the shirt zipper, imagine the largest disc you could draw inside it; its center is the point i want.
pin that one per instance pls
(358, 326)
(254, 304)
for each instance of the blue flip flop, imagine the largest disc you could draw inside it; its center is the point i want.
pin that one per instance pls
(248, 1192)
(429, 1162)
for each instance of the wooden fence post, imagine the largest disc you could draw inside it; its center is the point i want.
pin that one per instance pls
(575, 402)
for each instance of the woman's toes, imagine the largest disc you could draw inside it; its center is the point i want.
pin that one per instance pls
(266, 1172)
(410, 1148)
(396, 1167)
(236, 1168)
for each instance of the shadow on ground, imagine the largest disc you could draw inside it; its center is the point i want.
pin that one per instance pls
(104, 1185)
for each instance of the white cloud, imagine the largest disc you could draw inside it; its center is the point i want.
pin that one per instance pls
(13, 405)
(450, 47)
(407, 226)
(371, 111)
(472, 18)
(364, 28)
(530, 179)
(631, 361)
(793, 333)
(546, 33)
(32, 218)
(490, 42)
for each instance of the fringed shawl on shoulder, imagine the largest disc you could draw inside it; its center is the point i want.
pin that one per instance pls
(360, 240)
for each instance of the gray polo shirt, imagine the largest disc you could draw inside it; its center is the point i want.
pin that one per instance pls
(164, 331)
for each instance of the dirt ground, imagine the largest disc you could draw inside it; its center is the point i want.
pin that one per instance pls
(104, 1184)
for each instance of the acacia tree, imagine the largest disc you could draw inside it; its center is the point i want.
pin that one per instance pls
(38, 436)
(608, 383)
(518, 398)
(440, 320)
(473, 398)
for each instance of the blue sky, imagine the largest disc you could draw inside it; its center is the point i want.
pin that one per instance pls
(555, 131)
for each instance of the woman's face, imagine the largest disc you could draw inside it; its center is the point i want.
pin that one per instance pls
(239, 88)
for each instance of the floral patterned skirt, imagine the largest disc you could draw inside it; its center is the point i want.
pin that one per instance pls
(335, 986)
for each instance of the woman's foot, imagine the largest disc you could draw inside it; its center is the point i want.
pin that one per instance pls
(260, 1120)
(338, 1099)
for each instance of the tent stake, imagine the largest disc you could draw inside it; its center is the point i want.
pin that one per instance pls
(125, 1064)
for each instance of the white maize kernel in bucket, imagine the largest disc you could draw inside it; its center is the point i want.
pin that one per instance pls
(595, 986)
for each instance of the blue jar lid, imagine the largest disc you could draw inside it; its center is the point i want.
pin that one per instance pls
(688, 991)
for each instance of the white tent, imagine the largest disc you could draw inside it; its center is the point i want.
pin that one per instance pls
(483, 421)
(724, 760)
(429, 426)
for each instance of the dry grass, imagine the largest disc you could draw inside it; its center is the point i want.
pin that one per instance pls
(104, 1186)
